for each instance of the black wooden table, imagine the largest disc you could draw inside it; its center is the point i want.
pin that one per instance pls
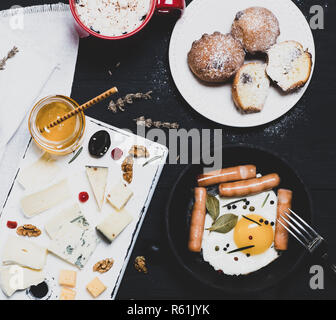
(305, 137)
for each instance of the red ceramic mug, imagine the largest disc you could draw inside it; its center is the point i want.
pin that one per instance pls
(159, 6)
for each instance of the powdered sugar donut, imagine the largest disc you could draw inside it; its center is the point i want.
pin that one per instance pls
(256, 28)
(216, 57)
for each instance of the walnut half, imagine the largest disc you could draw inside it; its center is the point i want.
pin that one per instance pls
(28, 230)
(127, 168)
(139, 151)
(103, 266)
(140, 264)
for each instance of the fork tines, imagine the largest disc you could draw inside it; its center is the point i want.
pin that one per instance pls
(299, 229)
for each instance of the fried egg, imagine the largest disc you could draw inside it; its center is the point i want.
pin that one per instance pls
(254, 231)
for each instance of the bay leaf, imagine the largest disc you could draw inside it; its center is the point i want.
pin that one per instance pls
(224, 223)
(212, 205)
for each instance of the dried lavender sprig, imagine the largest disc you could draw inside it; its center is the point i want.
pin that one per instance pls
(142, 121)
(128, 99)
(10, 55)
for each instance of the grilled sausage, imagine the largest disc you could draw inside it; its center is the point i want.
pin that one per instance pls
(226, 175)
(197, 220)
(281, 234)
(249, 187)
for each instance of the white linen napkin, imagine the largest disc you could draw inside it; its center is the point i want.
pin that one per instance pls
(47, 38)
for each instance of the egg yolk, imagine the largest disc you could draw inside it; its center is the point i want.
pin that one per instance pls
(248, 233)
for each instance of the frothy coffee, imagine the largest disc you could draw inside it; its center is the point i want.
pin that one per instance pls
(113, 17)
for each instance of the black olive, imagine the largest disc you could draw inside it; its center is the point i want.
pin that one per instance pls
(99, 143)
(39, 291)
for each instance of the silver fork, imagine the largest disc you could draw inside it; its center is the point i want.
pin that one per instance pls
(307, 236)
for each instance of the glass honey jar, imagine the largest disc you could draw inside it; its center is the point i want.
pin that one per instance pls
(65, 137)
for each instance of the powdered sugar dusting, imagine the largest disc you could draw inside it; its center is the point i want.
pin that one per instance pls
(217, 57)
(257, 28)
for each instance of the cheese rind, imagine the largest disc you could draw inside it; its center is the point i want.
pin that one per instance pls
(74, 245)
(15, 277)
(24, 253)
(119, 195)
(39, 173)
(38, 202)
(98, 180)
(69, 215)
(114, 224)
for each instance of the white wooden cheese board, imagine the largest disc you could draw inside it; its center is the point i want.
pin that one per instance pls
(144, 182)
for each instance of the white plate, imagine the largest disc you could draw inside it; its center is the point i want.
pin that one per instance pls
(215, 102)
(143, 186)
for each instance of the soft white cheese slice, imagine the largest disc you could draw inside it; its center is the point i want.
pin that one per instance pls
(114, 224)
(69, 215)
(98, 180)
(14, 278)
(74, 245)
(39, 173)
(119, 195)
(38, 202)
(24, 253)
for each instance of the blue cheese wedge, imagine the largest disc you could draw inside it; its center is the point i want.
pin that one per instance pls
(69, 215)
(24, 253)
(14, 278)
(74, 244)
(114, 224)
(119, 195)
(39, 173)
(98, 180)
(43, 200)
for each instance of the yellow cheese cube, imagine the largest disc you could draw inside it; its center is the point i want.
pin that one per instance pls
(67, 294)
(68, 278)
(96, 287)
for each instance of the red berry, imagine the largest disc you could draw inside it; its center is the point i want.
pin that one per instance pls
(116, 154)
(11, 224)
(83, 196)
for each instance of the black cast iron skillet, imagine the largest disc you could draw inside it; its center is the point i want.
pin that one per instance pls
(178, 218)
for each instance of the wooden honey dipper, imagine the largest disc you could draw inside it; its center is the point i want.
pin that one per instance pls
(81, 108)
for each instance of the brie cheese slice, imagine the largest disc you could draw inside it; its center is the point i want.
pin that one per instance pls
(74, 245)
(24, 253)
(14, 278)
(38, 202)
(114, 224)
(119, 195)
(39, 173)
(69, 215)
(98, 180)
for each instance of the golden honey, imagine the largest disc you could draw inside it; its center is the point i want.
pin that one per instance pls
(64, 137)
